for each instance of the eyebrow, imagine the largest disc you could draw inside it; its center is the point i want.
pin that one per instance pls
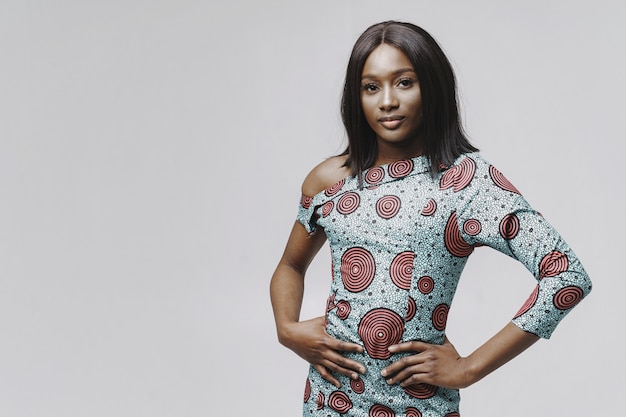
(395, 73)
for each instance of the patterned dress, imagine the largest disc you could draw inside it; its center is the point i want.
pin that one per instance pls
(398, 246)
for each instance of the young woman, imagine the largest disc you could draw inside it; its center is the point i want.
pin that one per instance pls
(402, 208)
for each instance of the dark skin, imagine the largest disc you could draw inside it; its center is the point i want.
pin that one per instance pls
(391, 101)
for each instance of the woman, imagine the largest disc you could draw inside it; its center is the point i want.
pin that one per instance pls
(402, 208)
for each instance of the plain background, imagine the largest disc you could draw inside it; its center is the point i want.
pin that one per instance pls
(151, 157)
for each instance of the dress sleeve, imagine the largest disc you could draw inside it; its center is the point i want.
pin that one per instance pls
(492, 212)
(306, 214)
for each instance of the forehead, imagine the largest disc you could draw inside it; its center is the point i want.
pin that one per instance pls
(385, 60)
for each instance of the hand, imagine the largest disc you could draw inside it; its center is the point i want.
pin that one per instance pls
(439, 365)
(311, 342)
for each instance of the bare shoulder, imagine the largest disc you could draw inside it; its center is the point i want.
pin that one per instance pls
(325, 174)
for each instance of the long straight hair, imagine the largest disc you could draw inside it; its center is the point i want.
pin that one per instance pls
(444, 138)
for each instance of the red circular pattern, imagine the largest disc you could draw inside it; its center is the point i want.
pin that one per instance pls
(440, 316)
(339, 401)
(379, 329)
(320, 400)
(379, 410)
(348, 203)
(388, 206)
(430, 208)
(401, 269)
(499, 180)
(425, 284)
(553, 264)
(421, 391)
(327, 208)
(343, 309)
(306, 201)
(334, 189)
(509, 226)
(357, 269)
(357, 385)
(530, 302)
(459, 176)
(374, 175)
(413, 412)
(472, 227)
(567, 297)
(411, 309)
(307, 390)
(400, 169)
(454, 241)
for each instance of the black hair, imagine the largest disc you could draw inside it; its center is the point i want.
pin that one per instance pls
(444, 138)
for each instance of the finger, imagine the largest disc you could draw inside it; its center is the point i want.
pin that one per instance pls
(411, 377)
(412, 346)
(324, 373)
(348, 347)
(344, 366)
(401, 364)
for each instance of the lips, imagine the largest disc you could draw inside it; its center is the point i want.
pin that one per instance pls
(391, 122)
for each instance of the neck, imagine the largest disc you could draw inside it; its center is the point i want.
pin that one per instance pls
(388, 153)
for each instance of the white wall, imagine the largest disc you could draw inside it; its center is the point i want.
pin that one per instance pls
(151, 154)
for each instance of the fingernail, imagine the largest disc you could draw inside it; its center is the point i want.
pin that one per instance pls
(383, 372)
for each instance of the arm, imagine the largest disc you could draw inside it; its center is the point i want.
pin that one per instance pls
(307, 338)
(441, 365)
(508, 224)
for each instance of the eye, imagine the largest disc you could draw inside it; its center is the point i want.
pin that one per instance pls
(406, 82)
(369, 87)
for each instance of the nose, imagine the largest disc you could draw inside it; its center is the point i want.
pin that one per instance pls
(388, 99)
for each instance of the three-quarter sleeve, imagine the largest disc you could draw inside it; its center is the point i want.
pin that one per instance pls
(492, 212)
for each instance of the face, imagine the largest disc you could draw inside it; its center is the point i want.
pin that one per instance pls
(391, 99)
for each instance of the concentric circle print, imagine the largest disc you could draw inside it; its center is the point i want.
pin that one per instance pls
(430, 208)
(454, 241)
(379, 410)
(509, 226)
(374, 175)
(412, 412)
(529, 303)
(400, 169)
(388, 206)
(334, 189)
(567, 297)
(330, 303)
(379, 329)
(459, 176)
(357, 385)
(307, 390)
(440, 316)
(357, 269)
(320, 400)
(472, 227)
(411, 309)
(553, 264)
(421, 391)
(348, 203)
(339, 401)
(425, 284)
(499, 180)
(343, 309)
(306, 201)
(401, 269)
(327, 208)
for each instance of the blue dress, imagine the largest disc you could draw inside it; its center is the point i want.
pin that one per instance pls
(398, 246)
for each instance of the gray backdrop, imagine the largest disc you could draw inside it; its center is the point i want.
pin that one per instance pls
(150, 167)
